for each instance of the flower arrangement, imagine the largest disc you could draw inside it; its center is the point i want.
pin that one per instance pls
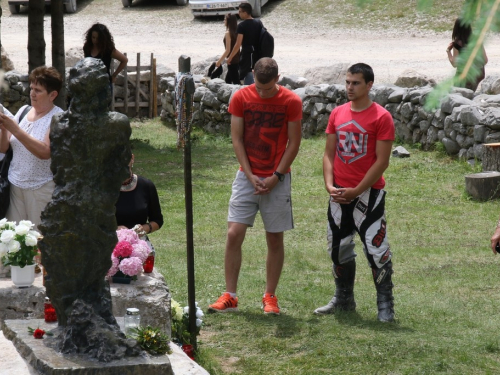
(151, 340)
(18, 243)
(129, 254)
(180, 322)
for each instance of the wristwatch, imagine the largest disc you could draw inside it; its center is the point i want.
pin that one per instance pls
(281, 177)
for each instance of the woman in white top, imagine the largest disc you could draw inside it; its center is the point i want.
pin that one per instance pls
(30, 176)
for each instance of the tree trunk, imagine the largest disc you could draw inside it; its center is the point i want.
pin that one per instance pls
(36, 40)
(491, 157)
(58, 54)
(483, 186)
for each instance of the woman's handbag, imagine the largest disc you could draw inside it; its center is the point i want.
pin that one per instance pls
(4, 173)
(5, 184)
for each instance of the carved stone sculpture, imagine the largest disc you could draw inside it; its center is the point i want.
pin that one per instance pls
(90, 153)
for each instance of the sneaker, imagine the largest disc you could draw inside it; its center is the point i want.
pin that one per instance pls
(270, 304)
(225, 303)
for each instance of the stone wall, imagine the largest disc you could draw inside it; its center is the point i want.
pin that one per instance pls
(16, 90)
(462, 123)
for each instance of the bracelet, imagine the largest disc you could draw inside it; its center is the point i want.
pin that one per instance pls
(150, 227)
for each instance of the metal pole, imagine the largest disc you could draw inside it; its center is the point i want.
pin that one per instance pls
(185, 67)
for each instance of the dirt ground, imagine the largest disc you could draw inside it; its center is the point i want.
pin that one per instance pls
(168, 31)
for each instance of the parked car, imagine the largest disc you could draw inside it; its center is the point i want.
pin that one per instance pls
(205, 8)
(128, 3)
(15, 5)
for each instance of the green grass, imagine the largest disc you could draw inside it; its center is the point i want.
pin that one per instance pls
(446, 293)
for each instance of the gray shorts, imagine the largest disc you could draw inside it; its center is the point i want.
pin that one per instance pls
(275, 208)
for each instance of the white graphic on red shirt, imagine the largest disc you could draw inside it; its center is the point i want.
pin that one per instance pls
(352, 142)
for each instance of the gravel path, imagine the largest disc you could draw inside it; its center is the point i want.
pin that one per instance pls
(168, 31)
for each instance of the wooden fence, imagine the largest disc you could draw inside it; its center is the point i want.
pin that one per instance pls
(141, 98)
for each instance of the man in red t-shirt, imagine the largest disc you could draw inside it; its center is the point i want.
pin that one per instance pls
(266, 135)
(359, 139)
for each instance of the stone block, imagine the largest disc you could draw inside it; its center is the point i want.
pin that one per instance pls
(47, 361)
(416, 95)
(317, 90)
(452, 147)
(452, 101)
(294, 82)
(479, 133)
(471, 115)
(490, 85)
(149, 293)
(412, 78)
(397, 95)
(334, 73)
(491, 118)
(400, 152)
(210, 100)
(215, 84)
(407, 110)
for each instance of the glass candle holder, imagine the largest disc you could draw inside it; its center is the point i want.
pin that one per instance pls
(132, 320)
(49, 311)
(149, 263)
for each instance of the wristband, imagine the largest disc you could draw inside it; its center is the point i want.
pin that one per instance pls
(150, 227)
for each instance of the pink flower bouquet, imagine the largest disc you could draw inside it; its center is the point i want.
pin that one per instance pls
(129, 254)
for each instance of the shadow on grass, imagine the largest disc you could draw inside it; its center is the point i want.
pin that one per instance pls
(285, 326)
(353, 319)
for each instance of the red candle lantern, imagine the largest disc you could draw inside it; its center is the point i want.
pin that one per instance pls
(189, 350)
(49, 311)
(149, 263)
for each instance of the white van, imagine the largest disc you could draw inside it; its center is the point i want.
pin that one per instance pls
(205, 8)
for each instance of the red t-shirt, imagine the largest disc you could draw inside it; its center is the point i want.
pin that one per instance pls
(265, 125)
(357, 135)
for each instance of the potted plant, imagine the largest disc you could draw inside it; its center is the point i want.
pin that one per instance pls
(128, 256)
(18, 247)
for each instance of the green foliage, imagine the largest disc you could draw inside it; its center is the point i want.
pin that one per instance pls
(180, 323)
(151, 340)
(439, 147)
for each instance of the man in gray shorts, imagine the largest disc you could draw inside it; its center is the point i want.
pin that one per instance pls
(266, 134)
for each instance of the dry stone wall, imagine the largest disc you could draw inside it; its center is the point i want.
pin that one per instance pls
(462, 122)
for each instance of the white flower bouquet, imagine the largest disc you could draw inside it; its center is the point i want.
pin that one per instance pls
(180, 322)
(18, 243)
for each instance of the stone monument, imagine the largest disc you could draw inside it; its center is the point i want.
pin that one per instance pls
(90, 152)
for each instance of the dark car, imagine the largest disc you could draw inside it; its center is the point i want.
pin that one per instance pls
(15, 5)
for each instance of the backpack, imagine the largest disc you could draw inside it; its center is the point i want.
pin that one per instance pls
(266, 43)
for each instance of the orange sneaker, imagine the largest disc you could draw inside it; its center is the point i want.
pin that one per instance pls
(225, 303)
(270, 304)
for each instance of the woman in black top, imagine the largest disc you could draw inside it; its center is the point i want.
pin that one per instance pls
(138, 204)
(232, 76)
(459, 39)
(99, 44)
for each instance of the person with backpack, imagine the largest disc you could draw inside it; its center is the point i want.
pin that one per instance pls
(248, 39)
